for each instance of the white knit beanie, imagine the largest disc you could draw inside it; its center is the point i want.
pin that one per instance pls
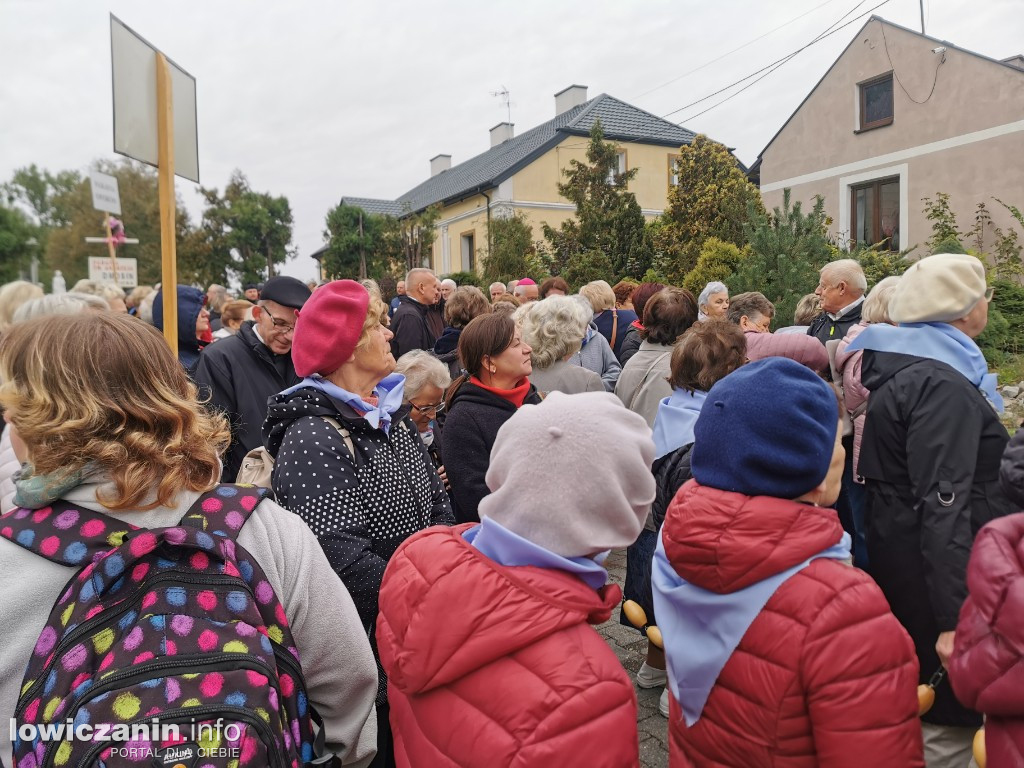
(938, 288)
(573, 474)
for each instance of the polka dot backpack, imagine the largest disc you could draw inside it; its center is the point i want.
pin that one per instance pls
(168, 648)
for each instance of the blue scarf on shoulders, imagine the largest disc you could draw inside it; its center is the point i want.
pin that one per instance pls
(935, 341)
(390, 392)
(507, 548)
(673, 426)
(702, 628)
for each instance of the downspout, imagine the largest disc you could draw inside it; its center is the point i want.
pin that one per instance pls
(488, 199)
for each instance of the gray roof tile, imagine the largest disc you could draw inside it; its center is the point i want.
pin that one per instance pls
(620, 121)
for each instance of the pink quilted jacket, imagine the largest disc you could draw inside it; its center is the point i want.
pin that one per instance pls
(856, 394)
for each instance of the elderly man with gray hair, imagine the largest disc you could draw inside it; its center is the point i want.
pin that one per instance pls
(496, 290)
(841, 290)
(410, 325)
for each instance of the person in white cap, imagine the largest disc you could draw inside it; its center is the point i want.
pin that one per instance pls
(930, 457)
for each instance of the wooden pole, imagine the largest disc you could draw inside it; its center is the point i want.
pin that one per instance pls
(111, 248)
(165, 161)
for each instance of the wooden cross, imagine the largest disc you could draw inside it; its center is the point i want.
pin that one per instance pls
(115, 237)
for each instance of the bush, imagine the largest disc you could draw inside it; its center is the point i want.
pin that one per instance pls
(584, 267)
(718, 260)
(465, 278)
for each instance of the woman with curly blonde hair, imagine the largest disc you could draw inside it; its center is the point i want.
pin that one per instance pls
(111, 427)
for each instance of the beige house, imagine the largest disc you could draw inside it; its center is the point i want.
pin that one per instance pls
(901, 116)
(521, 174)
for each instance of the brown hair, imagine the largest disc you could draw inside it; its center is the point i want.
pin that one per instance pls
(642, 295)
(669, 314)
(709, 351)
(235, 311)
(555, 283)
(103, 389)
(750, 304)
(623, 290)
(485, 336)
(808, 308)
(465, 303)
(505, 298)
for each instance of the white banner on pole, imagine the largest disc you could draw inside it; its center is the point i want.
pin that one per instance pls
(135, 128)
(105, 196)
(101, 270)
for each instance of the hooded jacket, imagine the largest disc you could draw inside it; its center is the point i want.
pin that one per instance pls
(495, 666)
(470, 429)
(986, 668)
(238, 375)
(411, 327)
(190, 304)
(362, 506)
(824, 676)
(930, 458)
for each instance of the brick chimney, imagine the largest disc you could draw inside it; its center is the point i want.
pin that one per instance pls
(440, 163)
(501, 133)
(570, 97)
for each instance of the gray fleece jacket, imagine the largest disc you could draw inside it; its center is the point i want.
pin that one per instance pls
(336, 658)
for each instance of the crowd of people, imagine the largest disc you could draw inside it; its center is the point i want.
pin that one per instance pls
(377, 530)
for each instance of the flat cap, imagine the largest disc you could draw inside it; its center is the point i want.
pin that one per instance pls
(286, 291)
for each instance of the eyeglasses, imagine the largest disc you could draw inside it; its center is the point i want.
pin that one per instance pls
(989, 293)
(279, 324)
(434, 408)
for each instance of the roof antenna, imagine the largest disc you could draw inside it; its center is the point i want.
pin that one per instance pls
(505, 97)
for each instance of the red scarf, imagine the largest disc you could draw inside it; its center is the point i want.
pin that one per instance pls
(515, 396)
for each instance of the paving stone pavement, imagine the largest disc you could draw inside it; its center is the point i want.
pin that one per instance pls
(631, 647)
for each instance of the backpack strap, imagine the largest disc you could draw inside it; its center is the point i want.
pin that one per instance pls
(615, 328)
(224, 510)
(63, 533)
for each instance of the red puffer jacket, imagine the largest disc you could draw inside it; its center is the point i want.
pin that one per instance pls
(986, 669)
(824, 676)
(495, 666)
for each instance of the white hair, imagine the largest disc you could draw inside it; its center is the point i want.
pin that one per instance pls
(876, 305)
(449, 283)
(492, 286)
(848, 271)
(710, 290)
(553, 328)
(599, 294)
(59, 304)
(106, 290)
(421, 368)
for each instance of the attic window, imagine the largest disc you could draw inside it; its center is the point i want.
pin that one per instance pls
(876, 108)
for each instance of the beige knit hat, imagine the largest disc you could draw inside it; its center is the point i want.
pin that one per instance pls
(938, 288)
(572, 474)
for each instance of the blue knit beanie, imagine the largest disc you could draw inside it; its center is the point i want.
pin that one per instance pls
(766, 429)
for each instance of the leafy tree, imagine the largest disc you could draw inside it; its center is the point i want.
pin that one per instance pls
(944, 227)
(75, 219)
(718, 260)
(608, 217)
(787, 249)
(513, 252)
(248, 232)
(879, 263)
(412, 237)
(712, 199)
(585, 267)
(356, 244)
(15, 251)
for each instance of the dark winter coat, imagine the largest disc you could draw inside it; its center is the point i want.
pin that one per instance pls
(930, 458)
(470, 429)
(824, 328)
(670, 472)
(239, 374)
(410, 327)
(190, 304)
(617, 320)
(824, 676)
(446, 349)
(630, 344)
(987, 666)
(361, 507)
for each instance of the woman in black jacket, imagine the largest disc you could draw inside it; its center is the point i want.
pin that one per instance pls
(480, 402)
(930, 458)
(348, 459)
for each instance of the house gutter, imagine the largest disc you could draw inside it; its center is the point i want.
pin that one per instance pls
(488, 199)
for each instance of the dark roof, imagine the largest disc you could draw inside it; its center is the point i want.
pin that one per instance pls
(1004, 63)
(619, 120)
(368, 204)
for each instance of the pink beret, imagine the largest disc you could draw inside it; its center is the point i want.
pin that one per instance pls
(328, 327)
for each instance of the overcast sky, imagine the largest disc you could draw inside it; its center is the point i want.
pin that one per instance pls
(319, 99)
